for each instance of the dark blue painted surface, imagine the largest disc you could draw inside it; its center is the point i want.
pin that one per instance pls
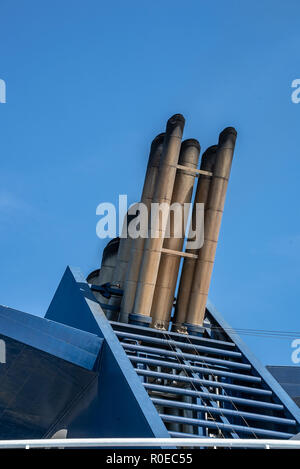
(36, 389)
(289, 378)
(48, 366)
(76, 346)
(69, 371)
(117, 405)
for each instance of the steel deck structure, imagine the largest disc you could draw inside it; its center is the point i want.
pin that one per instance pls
(205, 386)
(76, 371)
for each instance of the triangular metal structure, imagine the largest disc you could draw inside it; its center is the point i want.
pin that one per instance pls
(210, 385)
(98, 378)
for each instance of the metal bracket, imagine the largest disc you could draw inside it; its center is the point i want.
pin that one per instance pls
(106, 290)
(198, 172)
(179, 253)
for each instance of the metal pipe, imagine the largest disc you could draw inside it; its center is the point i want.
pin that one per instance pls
(188, 413)
(182, 345)
(173, 426)
(162, 195)
(185, 284)
(225, 426)
(108, 263)
(198, 369)
(169, 263)
(93, 277)
(208, 395)
(173, 335)
(199, 381)
(223, 411)
(105, 273)
(137, 246)
(121, 267)
(214, 212)
(192, 358)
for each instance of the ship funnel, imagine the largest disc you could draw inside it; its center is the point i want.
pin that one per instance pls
(139, 273)
(137, 246)
(213, 218)
(162, 198)
(119, 272)
(207, 164)
(170, 261)
(104, 275)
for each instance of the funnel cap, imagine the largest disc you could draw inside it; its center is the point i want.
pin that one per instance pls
(191, 142)
(177, 120)
(208, 158)
(158, 140)
(229, 132)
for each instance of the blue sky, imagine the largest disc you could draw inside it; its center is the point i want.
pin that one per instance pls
(89, 85)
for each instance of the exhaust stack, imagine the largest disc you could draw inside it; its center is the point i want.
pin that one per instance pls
(138, 276)
(154, 243)
(104, 275)
(119, 272)
(137, 246)
(169, 263)
(214, 212)
(185, 285)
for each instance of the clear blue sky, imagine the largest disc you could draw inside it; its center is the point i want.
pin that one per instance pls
(90, 83)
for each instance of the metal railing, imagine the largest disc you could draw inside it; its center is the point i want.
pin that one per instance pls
(204, 383)
(150, 443)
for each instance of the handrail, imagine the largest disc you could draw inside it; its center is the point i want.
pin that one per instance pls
(151, 443)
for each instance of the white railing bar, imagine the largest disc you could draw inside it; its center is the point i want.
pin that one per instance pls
(150, 442)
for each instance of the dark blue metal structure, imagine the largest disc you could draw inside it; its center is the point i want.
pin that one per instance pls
(77, 371)
(289, 378)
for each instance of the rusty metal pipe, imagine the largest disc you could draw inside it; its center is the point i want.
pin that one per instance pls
(154, 243)
(185, 284)
(215, 206)
(169, 263)
(137, 246)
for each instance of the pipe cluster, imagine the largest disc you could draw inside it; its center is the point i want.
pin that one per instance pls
(146, 268)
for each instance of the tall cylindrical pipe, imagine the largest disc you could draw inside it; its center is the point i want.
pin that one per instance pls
(154, 243)
(109, 258)
(169, 263)
(119, 273)
(93, 277)
(105, 273)
(215, 206)
(186, 278)
(137, 246)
